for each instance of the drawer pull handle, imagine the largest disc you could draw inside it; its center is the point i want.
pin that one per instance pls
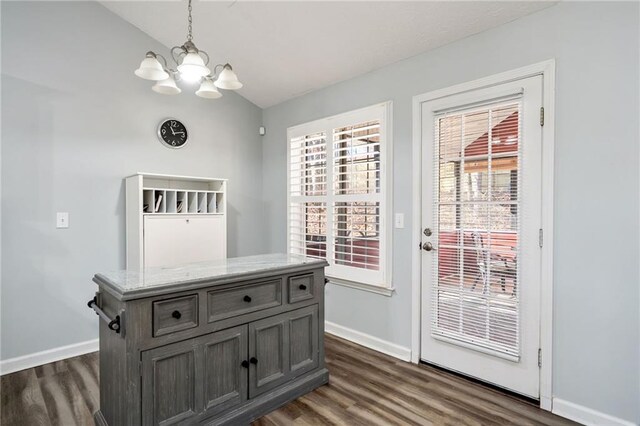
(176, 314)
(245, 364)
(302, 287)
(253, 360)
(247, 299)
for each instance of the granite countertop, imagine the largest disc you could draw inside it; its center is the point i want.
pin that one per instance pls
(133, 284)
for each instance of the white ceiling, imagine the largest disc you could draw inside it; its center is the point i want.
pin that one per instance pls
(281, 50)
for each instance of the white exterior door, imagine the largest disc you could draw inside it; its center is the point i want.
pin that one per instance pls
(481, 216)
(176, 240)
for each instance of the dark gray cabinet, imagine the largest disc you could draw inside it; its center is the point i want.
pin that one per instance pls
(220, 370)
(303, 338)
(219, 354)
(170, 383)
(281, 348)
(225, 369)
(183, 379)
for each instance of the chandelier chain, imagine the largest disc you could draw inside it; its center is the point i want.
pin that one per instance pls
(189, 35)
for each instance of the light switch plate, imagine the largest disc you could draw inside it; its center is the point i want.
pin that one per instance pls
(62, 220)
(399, 220)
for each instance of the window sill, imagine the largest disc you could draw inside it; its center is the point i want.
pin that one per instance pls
(384, 291)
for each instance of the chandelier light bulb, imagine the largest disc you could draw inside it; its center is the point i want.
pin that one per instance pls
(193, 68)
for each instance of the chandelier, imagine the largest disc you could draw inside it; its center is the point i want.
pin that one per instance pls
(191, 67)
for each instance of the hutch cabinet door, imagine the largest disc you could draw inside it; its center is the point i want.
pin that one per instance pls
(171, 389)
(225, 376)
(171, 240)
(269, 355)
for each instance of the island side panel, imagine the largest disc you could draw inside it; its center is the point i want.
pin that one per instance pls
(113, 368)
(319, 283)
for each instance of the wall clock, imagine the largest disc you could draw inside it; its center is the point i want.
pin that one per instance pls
(172, 133)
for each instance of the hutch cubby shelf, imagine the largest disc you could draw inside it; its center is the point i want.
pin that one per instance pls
(174, 219)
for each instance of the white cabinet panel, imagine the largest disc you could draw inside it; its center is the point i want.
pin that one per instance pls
(176, 240)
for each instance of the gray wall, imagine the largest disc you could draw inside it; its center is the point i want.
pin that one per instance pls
(76, 121)
(596, 331)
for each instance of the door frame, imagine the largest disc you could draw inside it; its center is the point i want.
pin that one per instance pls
(547, 70)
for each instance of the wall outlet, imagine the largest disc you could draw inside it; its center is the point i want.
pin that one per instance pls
(399, 220)
(62, 220)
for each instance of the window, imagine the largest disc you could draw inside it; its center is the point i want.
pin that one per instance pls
(339, 194)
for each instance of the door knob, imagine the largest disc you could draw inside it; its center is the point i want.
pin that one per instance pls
(245, 364)
(427, 246)
(253, 360)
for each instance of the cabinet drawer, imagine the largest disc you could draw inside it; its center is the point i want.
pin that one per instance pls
(171, 315)
(242, 300)
(300, 288)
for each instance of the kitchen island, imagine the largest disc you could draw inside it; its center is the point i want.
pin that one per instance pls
(220, 342)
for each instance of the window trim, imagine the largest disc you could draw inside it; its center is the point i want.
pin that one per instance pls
(383, 111)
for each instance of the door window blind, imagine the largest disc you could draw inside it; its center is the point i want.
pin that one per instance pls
(477, 182)
(336, 195)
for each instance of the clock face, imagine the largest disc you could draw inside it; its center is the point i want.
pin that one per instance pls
(172, 133)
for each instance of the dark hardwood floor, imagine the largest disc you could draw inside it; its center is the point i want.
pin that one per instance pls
(366, 388)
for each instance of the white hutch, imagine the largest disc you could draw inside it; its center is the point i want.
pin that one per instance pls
(172, 220)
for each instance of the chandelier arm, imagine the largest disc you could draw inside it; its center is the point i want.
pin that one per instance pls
(205, 54)
(163, 60)
(174, 56)
(215, 72)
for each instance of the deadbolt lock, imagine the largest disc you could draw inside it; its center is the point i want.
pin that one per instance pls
(427, 232)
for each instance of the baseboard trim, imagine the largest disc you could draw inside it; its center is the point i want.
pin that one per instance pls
(12, 365)
(369, 341)
(586, 416)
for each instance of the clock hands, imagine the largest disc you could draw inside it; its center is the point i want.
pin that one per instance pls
(178, 135)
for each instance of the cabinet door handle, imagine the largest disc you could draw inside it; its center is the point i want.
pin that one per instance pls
(302, 287)
(245, 364)
(253, 360)
(247, 299)
(176, 314)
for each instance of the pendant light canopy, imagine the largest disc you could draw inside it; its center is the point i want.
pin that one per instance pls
(191, 67)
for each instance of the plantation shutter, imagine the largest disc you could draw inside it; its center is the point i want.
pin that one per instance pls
(337, 194)
(477, 182)
(357, 195)
(308, 190)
